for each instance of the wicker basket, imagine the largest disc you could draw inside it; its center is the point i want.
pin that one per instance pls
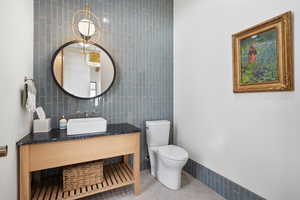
(79, 175)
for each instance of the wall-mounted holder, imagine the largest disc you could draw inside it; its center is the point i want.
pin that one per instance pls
(27, 79)
(3, 151)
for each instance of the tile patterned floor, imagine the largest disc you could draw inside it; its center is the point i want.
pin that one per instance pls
(191, 189)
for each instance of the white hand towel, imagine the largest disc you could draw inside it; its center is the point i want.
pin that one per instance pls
(30, 93)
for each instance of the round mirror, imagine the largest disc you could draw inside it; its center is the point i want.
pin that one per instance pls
(83, 70)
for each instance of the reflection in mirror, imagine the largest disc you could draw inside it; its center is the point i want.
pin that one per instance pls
(83, 70)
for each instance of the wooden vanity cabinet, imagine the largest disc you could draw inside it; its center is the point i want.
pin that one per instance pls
(38, 156)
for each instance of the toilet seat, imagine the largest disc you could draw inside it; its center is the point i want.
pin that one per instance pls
(173, 152)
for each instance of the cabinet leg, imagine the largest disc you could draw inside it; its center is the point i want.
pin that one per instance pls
(136, 174)
(126, 159)
(25, 175)
(136, 168)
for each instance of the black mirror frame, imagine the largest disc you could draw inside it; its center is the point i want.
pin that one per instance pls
(72, 95)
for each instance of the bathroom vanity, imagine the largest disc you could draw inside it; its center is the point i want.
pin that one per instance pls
(40, 151)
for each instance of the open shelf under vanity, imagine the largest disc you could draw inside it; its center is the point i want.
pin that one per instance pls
(115, 176)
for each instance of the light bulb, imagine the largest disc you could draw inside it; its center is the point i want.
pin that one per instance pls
(86, 27)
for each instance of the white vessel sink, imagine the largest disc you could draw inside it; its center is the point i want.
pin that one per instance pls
(86, 125)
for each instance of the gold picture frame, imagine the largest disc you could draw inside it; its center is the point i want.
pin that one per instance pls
(263, 56)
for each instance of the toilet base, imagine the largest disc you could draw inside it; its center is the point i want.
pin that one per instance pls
(171, 180)
(169, 175)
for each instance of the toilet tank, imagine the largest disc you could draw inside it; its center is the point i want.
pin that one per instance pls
(157, 132)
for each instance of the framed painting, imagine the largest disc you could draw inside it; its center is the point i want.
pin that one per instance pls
(263, 56)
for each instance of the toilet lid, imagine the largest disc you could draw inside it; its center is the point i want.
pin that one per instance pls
(173, 152)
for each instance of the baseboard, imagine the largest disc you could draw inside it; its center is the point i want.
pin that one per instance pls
(221, 185)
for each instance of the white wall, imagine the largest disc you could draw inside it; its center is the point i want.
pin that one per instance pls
(16, 61)
(254, 138)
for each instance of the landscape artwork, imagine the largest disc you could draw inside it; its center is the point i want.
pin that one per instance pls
(259, 62)
(263, 56)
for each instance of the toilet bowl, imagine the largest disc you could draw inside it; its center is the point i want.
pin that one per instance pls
(171, 160)
(166, 160)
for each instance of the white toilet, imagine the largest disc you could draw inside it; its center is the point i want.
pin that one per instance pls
(166, 160)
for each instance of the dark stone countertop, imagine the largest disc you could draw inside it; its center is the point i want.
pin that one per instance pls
(56, 135)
